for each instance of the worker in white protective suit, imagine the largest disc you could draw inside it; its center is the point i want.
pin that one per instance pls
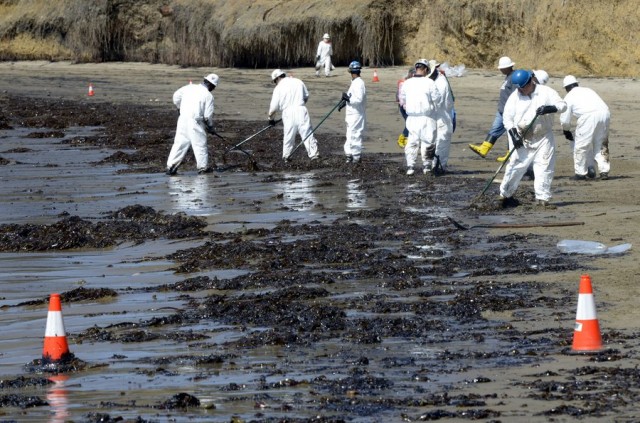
(323, 56)
(591, 139)
(419, 97)
(540, 77)
(356, 115)
(528, 121)
(195, 105)
(289, 97)
(444, 116)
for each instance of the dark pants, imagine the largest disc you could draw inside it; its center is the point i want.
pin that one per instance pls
(405, 131)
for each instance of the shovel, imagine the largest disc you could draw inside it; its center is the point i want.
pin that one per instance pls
(506, 159)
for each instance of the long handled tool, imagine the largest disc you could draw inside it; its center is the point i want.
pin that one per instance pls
(314, 129)
(506, 159)
(253, 165)
(514, 225)
(237, 146)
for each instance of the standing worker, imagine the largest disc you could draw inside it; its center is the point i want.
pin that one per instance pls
(323, 56)
(533, 142)
(444, 115)
(419, 97)
(591, 140)
(355, 116)
(505, 64)
(402, 138)
(289, 97)
(195, 105)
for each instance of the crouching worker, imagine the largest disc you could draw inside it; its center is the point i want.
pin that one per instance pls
(528, 119)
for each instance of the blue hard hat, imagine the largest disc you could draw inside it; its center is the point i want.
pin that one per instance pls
(355, 66)
(521, 77)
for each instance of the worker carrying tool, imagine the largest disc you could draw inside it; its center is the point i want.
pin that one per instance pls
(195, 105)
(290, 97)
(529, 122)
(356, 114)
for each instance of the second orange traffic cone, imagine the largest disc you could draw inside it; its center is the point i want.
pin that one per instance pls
(375, 76)
(586, 335)
(56, 347)
(90, 93)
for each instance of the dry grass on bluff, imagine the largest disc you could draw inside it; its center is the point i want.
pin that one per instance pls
(586, 37)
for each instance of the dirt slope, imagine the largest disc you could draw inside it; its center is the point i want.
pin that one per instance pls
(589, 37)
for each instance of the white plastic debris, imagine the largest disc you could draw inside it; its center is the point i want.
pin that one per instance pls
(455, 71)
(577, 246)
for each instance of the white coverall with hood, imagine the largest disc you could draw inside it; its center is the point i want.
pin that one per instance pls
(444, 118)
(419, 97)
(356, 118)
(591, 138)
(539, 142)
(289, 97)
(324, 52)
(195, 103)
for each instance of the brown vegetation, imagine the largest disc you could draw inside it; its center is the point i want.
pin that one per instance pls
(561, 36)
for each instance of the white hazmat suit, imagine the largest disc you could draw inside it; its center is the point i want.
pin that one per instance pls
(323, 56)
(356, 118)
(591, 138)
(444, 119)
(539, 143)
(419, 97)
(289, 97)
(195, 103)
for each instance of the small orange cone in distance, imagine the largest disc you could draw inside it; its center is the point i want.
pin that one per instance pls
(586, 335)
(55, 338)
(90, 94)
(375, 76)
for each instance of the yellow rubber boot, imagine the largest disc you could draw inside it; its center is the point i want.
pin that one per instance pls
(482, 149)
(402, 141)
(503, 158)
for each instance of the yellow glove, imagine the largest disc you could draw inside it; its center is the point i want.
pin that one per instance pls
(402, 141)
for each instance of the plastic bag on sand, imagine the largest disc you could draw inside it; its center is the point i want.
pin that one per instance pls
(590, 247)
(449, 71)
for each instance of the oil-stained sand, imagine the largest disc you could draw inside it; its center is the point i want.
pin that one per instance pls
(310, 291)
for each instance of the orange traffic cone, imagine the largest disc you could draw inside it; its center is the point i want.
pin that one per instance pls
(90, 94)
(586, 335)
(55, 339)
(375, 76)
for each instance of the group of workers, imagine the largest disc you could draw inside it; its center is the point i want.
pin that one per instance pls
(525, 109)
(525, 112)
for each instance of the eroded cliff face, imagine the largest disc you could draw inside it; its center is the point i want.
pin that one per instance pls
(585, 37)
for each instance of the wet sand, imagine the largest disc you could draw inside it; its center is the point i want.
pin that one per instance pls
(238, 202)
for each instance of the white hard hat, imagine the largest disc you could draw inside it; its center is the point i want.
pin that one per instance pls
(433, 64)
(505, 62)
(325, 36)
(569, 80)
(541, 76)
(213, 78)
(277, 73)
(424, 62)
